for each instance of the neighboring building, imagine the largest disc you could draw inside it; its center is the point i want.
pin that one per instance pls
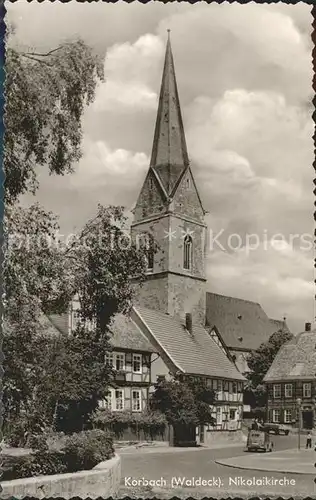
(291, 382)
(131, 357)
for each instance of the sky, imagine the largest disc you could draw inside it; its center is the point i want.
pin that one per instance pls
(244, 76)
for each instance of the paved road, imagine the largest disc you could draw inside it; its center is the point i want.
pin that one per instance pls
(201, 464)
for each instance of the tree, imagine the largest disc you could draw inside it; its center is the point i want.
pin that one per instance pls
(185, 402)
(46, 94)
(65, 376)
(259, 362)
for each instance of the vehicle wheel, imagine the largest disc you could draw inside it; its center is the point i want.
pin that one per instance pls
(287, 433)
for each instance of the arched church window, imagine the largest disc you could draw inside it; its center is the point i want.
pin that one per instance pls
(187, 252)
(150, 252)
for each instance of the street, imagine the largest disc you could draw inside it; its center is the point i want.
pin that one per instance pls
(164, 468)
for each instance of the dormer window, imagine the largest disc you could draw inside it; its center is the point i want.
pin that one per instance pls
(187, 252)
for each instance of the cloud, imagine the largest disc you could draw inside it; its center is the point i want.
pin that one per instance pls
(104, 167)
(277, 276)
(244, 75)
(246, 148)
(128, 77)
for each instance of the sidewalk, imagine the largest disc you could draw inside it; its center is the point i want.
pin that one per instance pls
(163, 447)
(287, 461)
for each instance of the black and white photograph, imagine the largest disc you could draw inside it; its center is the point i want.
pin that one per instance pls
(159, 331)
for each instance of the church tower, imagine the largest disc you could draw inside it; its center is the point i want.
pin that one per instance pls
(169, 212)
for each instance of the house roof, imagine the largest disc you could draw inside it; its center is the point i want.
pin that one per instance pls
(127, 335)
(280, 325)
(295, 360)
(242, 324)
(47, 325)
(196, 354)
(124, 333)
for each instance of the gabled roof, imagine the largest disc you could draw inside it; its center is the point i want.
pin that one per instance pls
(127, 335)
(242, 324)
(280, 325)
(124, 333)
(169, 153)
(296, 360)
(195, 353)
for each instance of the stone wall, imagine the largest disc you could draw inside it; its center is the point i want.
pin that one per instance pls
(102, 481)
(224, 437)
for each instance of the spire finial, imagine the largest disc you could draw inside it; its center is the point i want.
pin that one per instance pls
(168, 31)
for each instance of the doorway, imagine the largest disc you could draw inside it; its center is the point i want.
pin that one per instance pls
(307, 419)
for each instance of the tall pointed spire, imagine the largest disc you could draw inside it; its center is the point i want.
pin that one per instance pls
(169, 154)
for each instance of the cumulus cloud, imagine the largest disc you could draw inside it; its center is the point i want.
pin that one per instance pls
(128, 76)
(103, 166)
(277, 276)
(244, 75)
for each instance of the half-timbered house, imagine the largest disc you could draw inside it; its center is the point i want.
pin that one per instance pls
(291, 382)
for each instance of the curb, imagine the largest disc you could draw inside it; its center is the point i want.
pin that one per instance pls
(171, 449)
(262, 469)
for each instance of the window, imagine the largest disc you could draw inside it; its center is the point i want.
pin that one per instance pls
(232, 414)
(136, 400)
(116, 360)
(276, 416)
(113, 401)
(287, 416)
(188, 183)
(277, 391)
(234, 388)
(187, 252)
(105, 404)
(219, 385)
(119, 361)
(307, 390)
(150, 253)
(218, 415)
(151, 183)
(137, 363)
(118, 403)
(288, 390)
(109, 359)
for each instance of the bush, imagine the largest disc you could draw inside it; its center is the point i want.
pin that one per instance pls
(63, 454)
(86, 449)
(40, 463)
(151, 423)
(19, 431)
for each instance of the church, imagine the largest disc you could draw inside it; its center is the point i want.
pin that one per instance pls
(176, 325)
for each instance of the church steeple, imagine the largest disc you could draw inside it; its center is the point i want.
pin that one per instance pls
(169, 153)
(170, 213)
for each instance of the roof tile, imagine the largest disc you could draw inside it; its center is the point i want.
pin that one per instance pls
(295, 360)
(241, 323)
(196, 354)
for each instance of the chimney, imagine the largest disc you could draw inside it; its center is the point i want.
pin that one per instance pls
(188, 322)
(308, 327)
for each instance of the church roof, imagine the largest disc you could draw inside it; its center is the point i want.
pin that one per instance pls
(242, 324)
(195, 354)
(296, 360)
(169, 157)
